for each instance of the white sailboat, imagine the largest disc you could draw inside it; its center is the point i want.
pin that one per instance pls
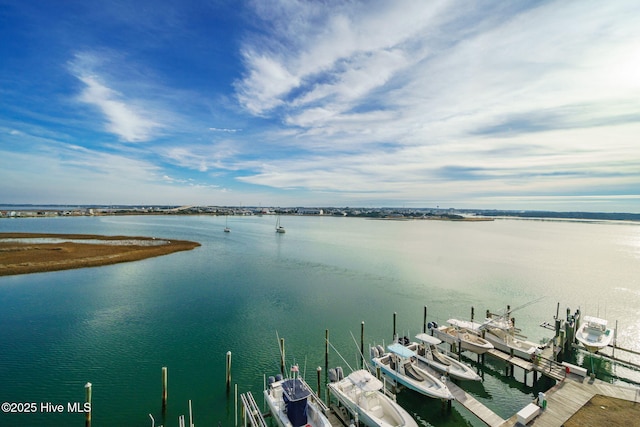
(429, 355)
(226, 225)
(362, 393)
(279, 228)
(401, 365)
(293, 404)
(594, 334)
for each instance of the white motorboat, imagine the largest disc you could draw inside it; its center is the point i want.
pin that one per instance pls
(401, 365)
(463, 332)
(293, 404)
(430, 355)
(362, 393)
(593, 333)
(504, 336)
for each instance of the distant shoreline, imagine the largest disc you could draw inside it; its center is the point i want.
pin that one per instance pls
(24, 253)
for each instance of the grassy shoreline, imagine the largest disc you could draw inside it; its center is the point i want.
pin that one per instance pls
(24, 257)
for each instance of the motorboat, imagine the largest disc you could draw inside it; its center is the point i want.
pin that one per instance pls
(401, 365)
(463, 332)
(594, 334)
(293, 403)
(362, 393)
(501, 332)
(430, 355)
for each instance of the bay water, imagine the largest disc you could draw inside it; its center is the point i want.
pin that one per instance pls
(117, 326)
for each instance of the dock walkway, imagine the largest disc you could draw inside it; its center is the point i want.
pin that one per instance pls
(567, 397)
(485, 414)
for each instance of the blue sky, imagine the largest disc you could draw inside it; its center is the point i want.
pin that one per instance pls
(479, 104)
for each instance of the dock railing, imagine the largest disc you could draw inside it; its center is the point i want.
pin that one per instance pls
(251, 412)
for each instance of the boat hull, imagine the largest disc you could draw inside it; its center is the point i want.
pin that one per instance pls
(449, 367)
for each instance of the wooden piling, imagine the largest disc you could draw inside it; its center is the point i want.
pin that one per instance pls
(319, 371)
(472, 309)
(282, 364)
(228, 370)
(164, 388)
(424, 320)
(394, 325)
(326, 349)
(362, 343)
(87, 407)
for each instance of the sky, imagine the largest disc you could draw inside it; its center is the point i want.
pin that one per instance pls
(457, 104)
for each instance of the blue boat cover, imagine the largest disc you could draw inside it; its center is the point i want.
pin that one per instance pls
(295, 393)
(401, 350)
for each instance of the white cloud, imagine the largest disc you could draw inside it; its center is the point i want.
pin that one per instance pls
(451, 100)
(125, 120)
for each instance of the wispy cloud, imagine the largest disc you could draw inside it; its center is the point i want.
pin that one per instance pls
(448, 100)
(128, 118)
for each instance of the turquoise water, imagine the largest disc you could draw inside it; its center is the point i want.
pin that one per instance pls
(117, 326)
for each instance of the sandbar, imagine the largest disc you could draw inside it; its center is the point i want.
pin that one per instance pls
(22, 253)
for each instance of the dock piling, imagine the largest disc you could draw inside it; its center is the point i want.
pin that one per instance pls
(319, 371)
(164, 388)
(394, 325)
(228, 370)
(326, 349)
(87, 389)
(282, 370)
(424, 320)
(362, 343)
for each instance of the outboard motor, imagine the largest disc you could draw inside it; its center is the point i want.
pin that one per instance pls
(333, 376)
(374, 353)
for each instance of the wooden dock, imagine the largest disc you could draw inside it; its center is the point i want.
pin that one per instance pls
(544, 365)
(568, 396)
(485, 414)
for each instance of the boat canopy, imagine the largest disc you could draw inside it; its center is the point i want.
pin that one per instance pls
(294, 389)
(401, 350)
(365, 381)
(426, 338)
